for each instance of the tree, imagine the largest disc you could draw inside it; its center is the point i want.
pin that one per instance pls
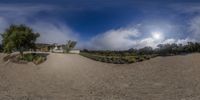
(1, 48)
(70, 45)
(145, 50)
(18, 38)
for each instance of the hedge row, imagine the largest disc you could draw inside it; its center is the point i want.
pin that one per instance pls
(117, 59)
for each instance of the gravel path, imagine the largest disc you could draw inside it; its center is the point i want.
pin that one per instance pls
(73, 77)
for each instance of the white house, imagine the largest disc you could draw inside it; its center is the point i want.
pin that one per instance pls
(58, 49)
(74, 51)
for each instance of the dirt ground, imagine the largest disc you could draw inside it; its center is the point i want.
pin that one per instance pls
(73, 77)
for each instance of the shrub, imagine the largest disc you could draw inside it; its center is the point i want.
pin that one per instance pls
(116, 62)
(146, 57)
(110, 60)
(140, 59)
(137, 57)
(27, 57)
(121, 61)
(104, 59)
(116, 58)
(131, 60)
(33, 57)
(39, 60)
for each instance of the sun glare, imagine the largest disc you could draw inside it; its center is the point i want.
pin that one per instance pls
(157, 35)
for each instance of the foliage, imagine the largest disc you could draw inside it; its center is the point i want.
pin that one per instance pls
(43, 47)
(110, 53)
(33, 57)
(169, 49)
(136, 55)
(70, 45)
(116, 59)
(18, 38)
(1, 48)
(36, 58)
(39, 60)
(174, 49)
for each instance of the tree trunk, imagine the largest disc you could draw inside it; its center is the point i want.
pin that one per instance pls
(21, 53)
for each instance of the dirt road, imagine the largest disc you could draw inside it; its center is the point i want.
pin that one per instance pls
(73, 77)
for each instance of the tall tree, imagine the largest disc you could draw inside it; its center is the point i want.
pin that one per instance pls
(18, 38)
(70, 45)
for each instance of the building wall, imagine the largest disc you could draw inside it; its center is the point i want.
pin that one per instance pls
(58, 49)
(74, 51)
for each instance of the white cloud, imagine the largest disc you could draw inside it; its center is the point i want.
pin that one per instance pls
(170, 41)
(178, 41)
(51, 31)
(3, 25)
(186, 7)
(194, 27)
(185, 41)
(25, 9)
(122, 39)
(192, 10)
(126, 38)
(114, 39)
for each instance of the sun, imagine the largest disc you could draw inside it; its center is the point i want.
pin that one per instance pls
(157, 35)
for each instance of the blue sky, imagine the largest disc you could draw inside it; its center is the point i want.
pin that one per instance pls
(106, 24)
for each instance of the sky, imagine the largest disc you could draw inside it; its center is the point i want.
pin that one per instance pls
(106, 24)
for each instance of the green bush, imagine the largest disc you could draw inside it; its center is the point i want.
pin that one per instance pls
(33, 57)
(131, 60)
(141, 59)
(27, 57)
(117, 59)
(137, 57)
(39, 60)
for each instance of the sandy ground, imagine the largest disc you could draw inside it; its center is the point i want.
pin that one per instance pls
(73, 77)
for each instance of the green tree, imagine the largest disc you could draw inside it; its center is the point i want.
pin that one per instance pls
(1, 48)
(70, 45)
(18, 38)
